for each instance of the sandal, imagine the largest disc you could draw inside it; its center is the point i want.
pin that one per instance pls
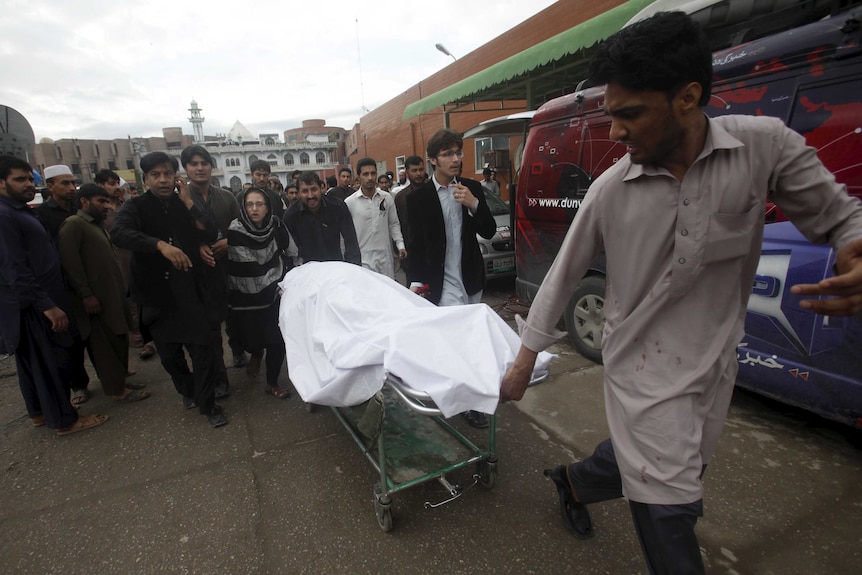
(277, 392)
(37, 421)
(576, 517)
(133, 395)
(84, 422)
(80, 396)
(148, 351)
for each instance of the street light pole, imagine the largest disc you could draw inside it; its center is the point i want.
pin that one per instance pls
(443, 49)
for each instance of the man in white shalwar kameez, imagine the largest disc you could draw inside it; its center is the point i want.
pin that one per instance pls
(680, 218)
(376, 221)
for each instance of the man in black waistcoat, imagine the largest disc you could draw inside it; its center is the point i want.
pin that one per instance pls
(163, 229)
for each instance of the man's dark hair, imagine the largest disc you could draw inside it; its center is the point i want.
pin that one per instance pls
(413, 161)
(443, 140)
(365, 162)
(260, 166)
(486, 172)
(662, 53)
(90, 190)
(9, 163)
(295, 174)
(342, 170)
(105, 176)
(331, 181)
(290, 184)
(155, 159)
(382, 177)
(193, 151)
(309, 177)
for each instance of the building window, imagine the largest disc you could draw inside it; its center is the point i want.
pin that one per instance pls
(112, 165)
(269, 142)
(486, 145)
(252, 159)
(76, 169)
(59, 153)
(303, 159)
(288, 159)
(215, 164)
(114, 148)
(94, 167)
(235, 184)
(96, 150)
(399, 163)
(130, 164)
(320, 158)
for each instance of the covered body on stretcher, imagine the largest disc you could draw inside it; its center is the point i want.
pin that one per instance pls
(347, 328)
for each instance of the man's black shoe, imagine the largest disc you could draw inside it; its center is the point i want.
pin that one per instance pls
(189, 403)
(476, 419)
(576, 517)
(240, 359)
(216, 417)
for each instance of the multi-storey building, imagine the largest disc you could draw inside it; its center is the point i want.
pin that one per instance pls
(314, 146)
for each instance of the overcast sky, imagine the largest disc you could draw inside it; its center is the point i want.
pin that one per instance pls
(113, 68)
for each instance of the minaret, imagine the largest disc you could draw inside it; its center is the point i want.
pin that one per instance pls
(197, 122)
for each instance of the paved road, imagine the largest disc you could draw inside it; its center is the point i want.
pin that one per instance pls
(282, 490)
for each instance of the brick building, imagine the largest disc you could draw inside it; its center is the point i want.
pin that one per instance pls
(385, 135)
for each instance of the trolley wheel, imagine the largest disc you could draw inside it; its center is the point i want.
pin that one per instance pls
(382, 509)
(488, 473)
(384, 519)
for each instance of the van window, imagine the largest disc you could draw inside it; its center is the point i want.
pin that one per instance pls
(829, 118)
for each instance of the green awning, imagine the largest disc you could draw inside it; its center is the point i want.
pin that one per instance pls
(563, 44)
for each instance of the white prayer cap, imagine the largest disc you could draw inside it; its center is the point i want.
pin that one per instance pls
(58, 170)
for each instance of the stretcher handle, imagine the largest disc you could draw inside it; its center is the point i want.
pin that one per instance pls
(414, 399)
(417, 400)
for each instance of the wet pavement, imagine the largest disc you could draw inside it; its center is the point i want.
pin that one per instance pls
(284, 490)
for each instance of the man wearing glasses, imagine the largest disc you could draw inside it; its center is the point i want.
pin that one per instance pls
(444, 215)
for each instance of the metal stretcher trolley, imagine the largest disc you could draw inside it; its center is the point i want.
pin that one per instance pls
(414, 443)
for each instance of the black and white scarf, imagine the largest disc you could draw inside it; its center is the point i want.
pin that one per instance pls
(256, 258)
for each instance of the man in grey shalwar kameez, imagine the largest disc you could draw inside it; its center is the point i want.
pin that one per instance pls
(680, 218)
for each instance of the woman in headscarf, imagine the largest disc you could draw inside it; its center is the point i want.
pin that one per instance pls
(257, 243)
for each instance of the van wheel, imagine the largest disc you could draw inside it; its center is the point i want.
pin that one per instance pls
(585, 317)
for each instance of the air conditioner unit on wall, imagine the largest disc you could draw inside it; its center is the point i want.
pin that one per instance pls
(496, 159)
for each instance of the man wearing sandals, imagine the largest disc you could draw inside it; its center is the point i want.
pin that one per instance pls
(680, 218)
(97, 290)
(32, 325)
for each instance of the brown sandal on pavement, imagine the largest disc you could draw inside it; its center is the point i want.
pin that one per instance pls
(148, 351)
(37, 421)
(84, 422)
(80, 396)
(277, 392)
(133, 395)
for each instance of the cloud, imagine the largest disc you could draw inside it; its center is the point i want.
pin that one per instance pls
(106, 69)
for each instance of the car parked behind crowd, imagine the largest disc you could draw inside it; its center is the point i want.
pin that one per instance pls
(498, 252)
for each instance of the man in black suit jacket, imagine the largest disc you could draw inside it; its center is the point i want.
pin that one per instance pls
(444, 212)
(444, 215)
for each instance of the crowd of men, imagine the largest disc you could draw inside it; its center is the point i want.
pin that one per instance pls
(165, 251)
